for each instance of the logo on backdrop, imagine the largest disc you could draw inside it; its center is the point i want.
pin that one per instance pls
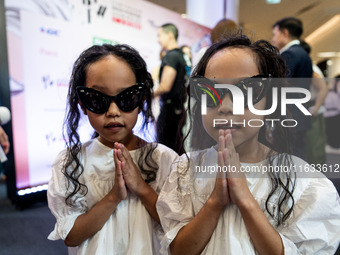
(49, 31)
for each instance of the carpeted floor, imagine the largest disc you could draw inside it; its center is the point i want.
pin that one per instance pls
(24, 232)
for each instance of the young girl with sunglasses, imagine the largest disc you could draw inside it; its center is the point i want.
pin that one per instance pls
(103, 192)
(223, 199)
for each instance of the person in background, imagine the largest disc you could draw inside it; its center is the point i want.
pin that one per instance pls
(187, 50)
(332, 116)
(286, 35)
(316, 135)
(188, 57)
(5, 117)
(5, 145)
(173, 80)
(155, 70)
(222, 29)
(155, 78)
(4, 142)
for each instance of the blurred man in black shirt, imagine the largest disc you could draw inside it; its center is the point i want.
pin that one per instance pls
(172, 90)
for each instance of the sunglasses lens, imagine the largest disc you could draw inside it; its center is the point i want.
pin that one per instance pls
(93, 100)
(258, 90)
(200, 86)
(257, 85)
(203, 86)
(130, 98)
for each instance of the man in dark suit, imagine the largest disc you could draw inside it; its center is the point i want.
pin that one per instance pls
(286, 34)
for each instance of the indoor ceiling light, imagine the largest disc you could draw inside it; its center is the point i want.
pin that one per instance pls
(273, 1)
(323, 29)
(328, 54)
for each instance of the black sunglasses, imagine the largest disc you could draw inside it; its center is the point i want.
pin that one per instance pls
(201, 85)
(97, 102)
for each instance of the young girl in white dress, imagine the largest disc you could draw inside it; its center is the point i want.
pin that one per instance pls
(103, 192)
(224, 199)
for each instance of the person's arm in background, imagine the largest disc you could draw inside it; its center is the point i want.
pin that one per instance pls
(167, 81)
(319, 83)
(4, 142)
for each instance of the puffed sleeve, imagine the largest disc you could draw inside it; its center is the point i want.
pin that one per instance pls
(56, 193)
(174, 204)
(314, 227)
(165, 158)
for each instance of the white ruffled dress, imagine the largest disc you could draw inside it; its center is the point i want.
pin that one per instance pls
(130, 229)
(312, 228)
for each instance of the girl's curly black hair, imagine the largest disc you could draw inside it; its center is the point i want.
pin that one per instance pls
(269, 62)
(73, 168)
